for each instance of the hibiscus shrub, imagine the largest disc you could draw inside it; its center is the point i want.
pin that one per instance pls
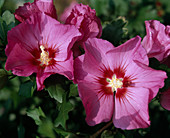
(96, 69)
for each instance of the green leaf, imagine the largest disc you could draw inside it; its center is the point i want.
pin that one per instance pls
(63, 132)
(1, 3)
(73, 90)
(56, 92)
(64, 108)
(26, 89)
(3, 31)
(115, 31)
(46, 129)
(36, 115)
(3, 78)
(8, 17)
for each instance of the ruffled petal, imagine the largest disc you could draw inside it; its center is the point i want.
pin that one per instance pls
(28, 9)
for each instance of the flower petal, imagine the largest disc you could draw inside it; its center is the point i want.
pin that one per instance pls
(99, 108)
(30, 32)
(165, 99)
(95, 57)
(23, 62)
(157, 40)
(62, 67)
(144, 76)
(28, 9)
(124, 54)
(131, 110)
(41, 76)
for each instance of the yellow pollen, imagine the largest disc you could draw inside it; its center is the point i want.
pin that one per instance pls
(44, 56)
(115, 83)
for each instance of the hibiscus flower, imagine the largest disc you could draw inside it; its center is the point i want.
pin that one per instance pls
(157, 40)
(28, 9)
(116, 83)
(41, 45)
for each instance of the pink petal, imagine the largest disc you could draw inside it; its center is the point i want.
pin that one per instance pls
(124, 54)
(30, 32)
(62, 38)
(99, 108)
(95, 57)
(23, 62)
(85, 19)
(157, 40)
(144, 76)
(131, 110)
(62, 67)
(46, 6)
(165, 99)
(41, 76)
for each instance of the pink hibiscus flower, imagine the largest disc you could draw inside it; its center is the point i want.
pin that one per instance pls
(165, 99)
(46, 6)
(41, 45)
(157, 40)
(116, 83)
(85, 19)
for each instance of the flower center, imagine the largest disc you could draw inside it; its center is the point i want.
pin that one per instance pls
(115, 83)
(44, 56)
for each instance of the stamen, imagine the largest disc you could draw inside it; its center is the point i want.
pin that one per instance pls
(44, 56)
(115, 82)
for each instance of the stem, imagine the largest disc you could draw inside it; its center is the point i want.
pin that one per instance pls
(102, 129)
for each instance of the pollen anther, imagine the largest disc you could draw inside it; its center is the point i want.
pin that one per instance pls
(44, 56)
(115, 82)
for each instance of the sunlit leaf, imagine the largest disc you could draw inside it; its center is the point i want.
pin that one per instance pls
(8, 17)
(56, 92)
(36, 115)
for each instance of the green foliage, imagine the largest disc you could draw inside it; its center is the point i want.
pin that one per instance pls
(63, 132)
(57, 111)
(7, 22)
(26, 89)
(73, 90)
(56, 92)
(3, 78)
(46, 129)
(115, 31)
(64, 108)
(1, 3)
(21, 131)
(37, 114)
